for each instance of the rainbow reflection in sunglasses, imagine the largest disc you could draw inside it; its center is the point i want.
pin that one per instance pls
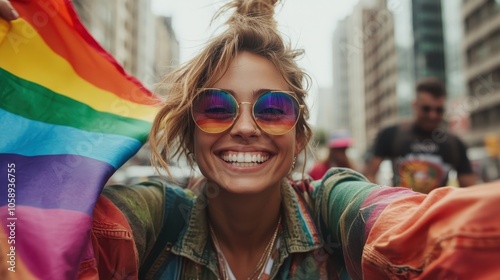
(275, 112)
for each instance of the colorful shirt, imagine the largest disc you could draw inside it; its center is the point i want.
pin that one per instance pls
(340, 227)
(421, 160)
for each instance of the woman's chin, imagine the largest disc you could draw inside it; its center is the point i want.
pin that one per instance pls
(241, 186)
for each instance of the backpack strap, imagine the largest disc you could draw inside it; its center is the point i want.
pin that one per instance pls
(403, 132)
(175, 213)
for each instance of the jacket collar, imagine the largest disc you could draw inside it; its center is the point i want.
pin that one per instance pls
(299, 233)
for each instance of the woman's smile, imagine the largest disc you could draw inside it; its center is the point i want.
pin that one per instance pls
(244, 159)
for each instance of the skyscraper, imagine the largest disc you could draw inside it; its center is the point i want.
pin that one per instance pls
(340, 90)
(481, 49)
(129, 31)
(428, 37)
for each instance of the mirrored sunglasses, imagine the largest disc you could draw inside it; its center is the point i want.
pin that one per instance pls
(275, 112)
(427, 109)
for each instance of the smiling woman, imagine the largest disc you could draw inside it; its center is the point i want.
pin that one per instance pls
(236, 110)
(248, 136)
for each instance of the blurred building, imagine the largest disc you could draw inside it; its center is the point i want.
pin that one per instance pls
(380, 69)
(405, 56)
(428, 46)
(353, 50)
(324, 103)
(454, 60)
(116, 25)
(340, 90)
(331, 104)
(457, 118)
(481, 49)
(166, 49)
(131, 33)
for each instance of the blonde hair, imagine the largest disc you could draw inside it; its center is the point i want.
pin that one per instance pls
(251, 28)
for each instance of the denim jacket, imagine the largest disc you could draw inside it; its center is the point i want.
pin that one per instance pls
(340, 227)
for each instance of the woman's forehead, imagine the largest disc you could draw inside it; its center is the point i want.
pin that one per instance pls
(249, 73)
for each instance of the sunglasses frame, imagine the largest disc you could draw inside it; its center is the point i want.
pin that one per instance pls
(427, 109)
(259, 94)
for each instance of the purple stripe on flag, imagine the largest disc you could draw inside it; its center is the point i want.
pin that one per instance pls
(39, 233)
(56, 181)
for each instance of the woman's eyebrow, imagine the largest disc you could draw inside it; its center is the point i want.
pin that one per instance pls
(258, 92)
(255, 93)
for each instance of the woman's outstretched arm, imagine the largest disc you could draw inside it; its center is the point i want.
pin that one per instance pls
(388, 232)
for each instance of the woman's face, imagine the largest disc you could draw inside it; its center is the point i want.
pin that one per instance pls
(247, 74)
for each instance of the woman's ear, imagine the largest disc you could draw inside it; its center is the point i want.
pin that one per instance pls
(191, 151)
(300, 144)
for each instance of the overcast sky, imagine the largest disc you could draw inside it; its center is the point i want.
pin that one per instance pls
(309, 24)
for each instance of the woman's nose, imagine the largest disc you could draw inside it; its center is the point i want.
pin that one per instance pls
(245, 125)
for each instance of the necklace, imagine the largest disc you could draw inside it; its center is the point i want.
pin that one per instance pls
(261, 265)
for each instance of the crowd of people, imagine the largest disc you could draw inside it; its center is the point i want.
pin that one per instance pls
(422, 152)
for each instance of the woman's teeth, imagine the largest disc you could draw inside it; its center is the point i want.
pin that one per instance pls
(245, 159)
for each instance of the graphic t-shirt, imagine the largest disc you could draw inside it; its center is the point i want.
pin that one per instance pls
(421, 161)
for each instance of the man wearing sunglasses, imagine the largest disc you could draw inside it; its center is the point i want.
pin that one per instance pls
(422, 151)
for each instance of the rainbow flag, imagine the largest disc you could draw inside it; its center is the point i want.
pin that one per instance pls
(69, 117)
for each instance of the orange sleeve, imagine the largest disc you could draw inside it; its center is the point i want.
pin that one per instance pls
(449, 234)
(112, 240)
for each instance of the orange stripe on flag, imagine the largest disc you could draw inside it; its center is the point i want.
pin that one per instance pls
(87, 60)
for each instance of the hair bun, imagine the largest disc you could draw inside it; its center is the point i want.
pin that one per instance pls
(248, 9)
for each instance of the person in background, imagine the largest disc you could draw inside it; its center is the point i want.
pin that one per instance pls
(337, 156)
(422, 151)
(238, 110)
